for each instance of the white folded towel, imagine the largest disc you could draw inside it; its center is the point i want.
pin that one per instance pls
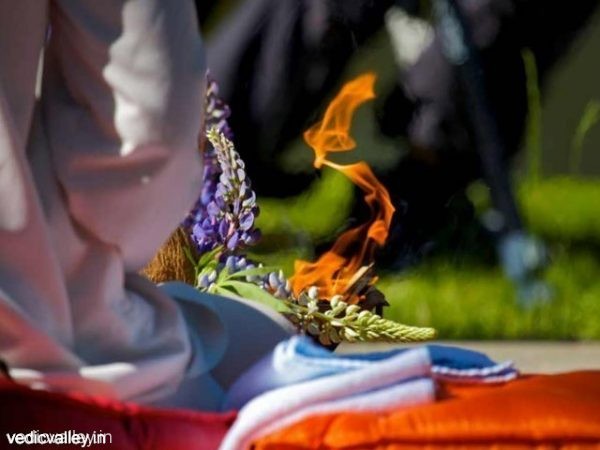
(401, 380)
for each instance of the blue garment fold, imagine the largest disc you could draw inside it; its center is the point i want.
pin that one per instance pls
(299, 359)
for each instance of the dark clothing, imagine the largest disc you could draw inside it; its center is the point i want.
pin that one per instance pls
(277, 60)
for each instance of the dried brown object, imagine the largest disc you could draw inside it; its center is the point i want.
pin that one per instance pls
(362, 279)
(171, 263)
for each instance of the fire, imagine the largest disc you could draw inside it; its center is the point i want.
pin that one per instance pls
(355, 248)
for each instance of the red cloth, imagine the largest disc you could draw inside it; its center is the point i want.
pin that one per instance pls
(541, 412)
(132, 427)
(535, 412)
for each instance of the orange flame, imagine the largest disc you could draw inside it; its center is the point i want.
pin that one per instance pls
(355, 247)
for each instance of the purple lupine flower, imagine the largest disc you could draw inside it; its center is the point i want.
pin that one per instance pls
(226, 211)
(216, 110)
(216, 114)
(228, 217)
(277, 284)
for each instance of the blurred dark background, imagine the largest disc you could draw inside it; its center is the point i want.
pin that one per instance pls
(444, 267)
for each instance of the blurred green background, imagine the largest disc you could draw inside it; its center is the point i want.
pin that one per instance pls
(464, 294)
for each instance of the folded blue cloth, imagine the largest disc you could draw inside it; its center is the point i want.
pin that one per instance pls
(299, 359)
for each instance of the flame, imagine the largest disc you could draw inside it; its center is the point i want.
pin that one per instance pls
(355, 248)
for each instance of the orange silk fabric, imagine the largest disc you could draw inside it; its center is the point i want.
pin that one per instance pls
(533, 412)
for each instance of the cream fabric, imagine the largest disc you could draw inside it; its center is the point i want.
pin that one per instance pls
(92, 181)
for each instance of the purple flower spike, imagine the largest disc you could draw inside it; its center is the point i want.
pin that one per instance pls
(226, 211)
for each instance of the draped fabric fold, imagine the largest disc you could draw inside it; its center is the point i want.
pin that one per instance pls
(534, 412)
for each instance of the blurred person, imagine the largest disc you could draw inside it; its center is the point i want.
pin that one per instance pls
(94, 176)
(277, 60)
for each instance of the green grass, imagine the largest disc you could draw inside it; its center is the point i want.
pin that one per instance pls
(563, 209)
(474, 302)
(315, 214)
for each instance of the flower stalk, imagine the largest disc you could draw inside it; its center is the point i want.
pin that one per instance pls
(344, 322)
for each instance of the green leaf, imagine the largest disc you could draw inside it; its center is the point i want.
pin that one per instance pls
(256, 293)
(208, 257)
(188, 254)
(214, 289)
(254, 271)
(222, 276)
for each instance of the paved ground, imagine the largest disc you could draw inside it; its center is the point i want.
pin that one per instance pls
(529, 356)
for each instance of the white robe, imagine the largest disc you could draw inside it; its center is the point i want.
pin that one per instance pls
(92, 180)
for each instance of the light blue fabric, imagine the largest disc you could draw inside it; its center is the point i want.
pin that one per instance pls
(298, 359)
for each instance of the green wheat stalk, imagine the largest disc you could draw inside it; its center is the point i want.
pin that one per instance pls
(533, 137)
(589, 118)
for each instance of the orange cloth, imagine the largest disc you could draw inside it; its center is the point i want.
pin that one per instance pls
(541, 412)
